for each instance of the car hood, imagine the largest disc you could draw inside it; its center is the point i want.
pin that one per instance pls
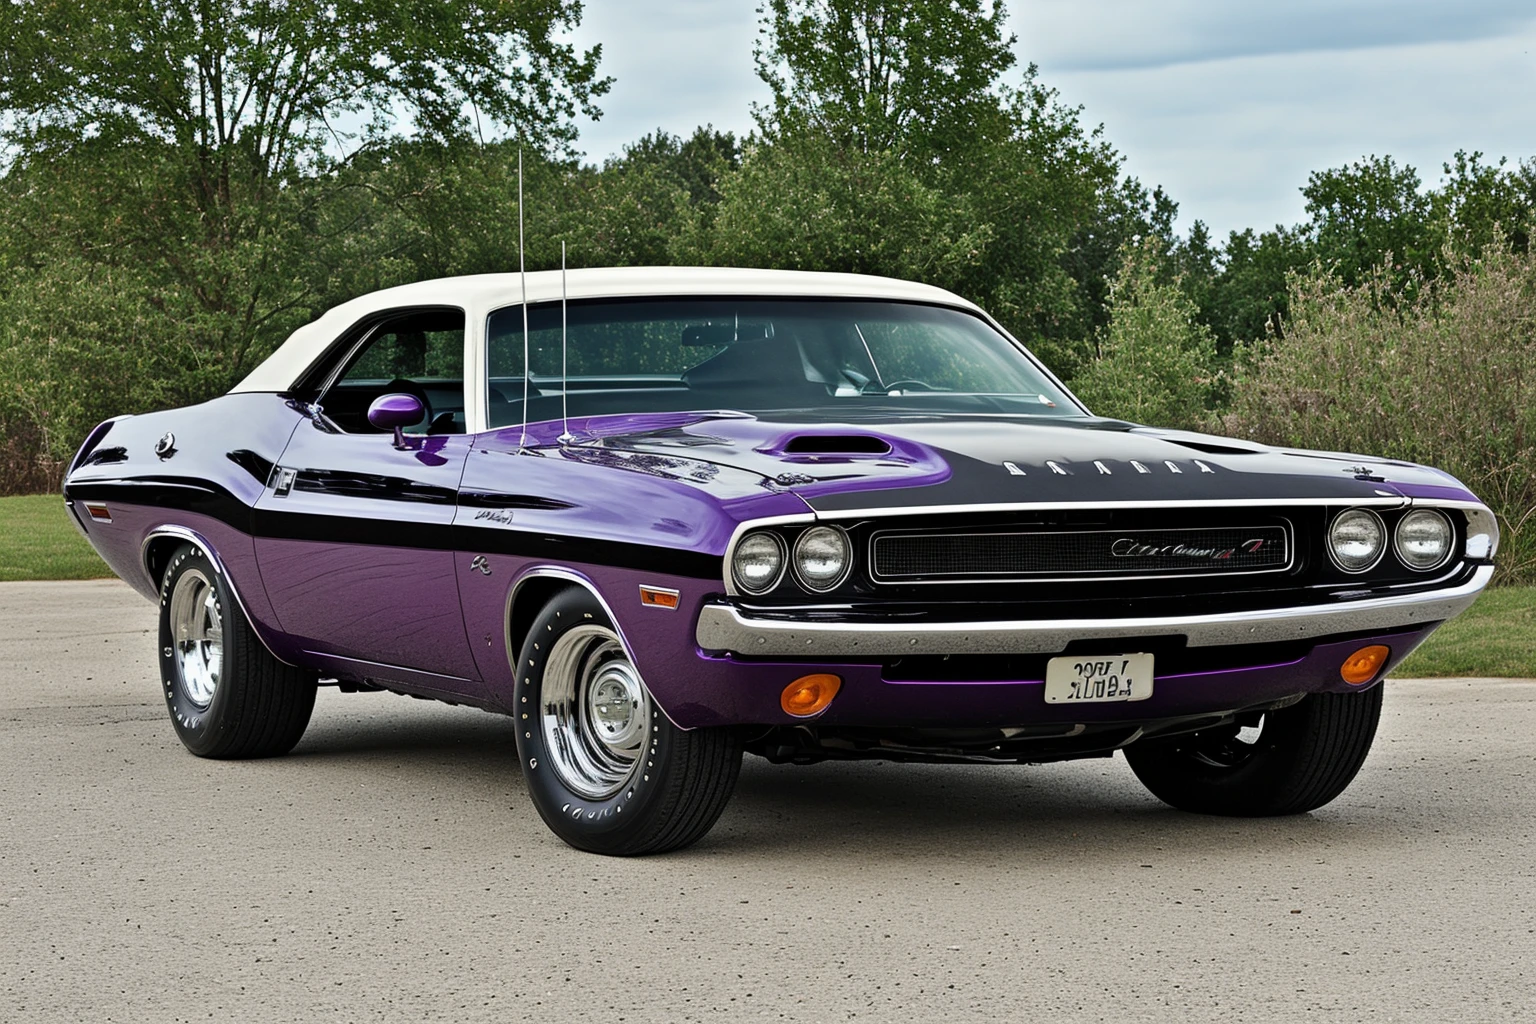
(893, 462)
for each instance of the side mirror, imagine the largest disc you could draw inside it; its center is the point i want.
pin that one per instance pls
(396, 411)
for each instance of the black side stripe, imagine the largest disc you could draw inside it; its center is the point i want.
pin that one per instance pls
(217, 503)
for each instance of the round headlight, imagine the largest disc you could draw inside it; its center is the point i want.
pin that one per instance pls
(1423, 539)
(822, 557)
(758, 562)
(1356, 540)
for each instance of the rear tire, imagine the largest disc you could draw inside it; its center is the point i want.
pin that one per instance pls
(607, 771)
(227, 695)
(1301, 758)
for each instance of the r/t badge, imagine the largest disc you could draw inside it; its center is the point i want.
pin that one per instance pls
(481, 565)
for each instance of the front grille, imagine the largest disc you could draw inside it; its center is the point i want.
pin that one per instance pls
(907, 557)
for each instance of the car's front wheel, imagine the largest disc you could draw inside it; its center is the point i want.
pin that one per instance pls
(1288, 761)
(227, 695)
(607, 771)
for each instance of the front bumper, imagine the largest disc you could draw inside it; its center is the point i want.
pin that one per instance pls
(723, 628)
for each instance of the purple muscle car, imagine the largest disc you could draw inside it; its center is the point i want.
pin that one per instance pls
(664, 516)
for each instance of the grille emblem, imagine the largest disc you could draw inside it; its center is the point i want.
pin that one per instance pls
(1130, 547)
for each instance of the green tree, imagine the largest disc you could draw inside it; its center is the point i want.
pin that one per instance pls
(1366, 210)
(913, 77)
(1156, 363)
(805, 203)
(1440, 374)
(270, 81)
(1481, 205)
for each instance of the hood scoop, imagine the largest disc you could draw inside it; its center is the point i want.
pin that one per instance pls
(834, 444)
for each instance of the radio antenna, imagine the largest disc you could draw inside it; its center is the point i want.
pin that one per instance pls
(565, 388)
(522, 271)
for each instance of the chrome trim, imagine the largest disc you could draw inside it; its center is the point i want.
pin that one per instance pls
(1387, 501)
(794, 559)
(1397, 547)
(1328, 541)
(730, 566)
(212, 554)
(885, 581)
(1482, 531)
(724, 628)
(744, 528)
(569, 576)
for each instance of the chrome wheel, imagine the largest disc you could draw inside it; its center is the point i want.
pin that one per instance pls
(197, 637)
(595, 712)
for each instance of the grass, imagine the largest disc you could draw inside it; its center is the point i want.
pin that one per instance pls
(1495, 637)
(38, 542)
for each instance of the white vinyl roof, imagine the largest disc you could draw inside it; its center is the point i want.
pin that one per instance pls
(479, 294)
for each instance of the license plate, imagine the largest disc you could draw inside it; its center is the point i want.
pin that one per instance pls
(1098, 678)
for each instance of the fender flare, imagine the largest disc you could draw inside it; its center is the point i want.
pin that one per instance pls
(182, 533)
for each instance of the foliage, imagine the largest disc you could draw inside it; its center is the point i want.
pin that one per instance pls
(1442, 376)
(1156, 363)
(809, 204)
(270, 81)
(915, 78)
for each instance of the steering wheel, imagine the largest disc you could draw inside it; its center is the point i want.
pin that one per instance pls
(906, 385)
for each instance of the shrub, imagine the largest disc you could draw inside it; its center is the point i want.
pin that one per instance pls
(1156, 363)
(1446, 377)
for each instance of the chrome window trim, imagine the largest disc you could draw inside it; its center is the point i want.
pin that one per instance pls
(723, 627)
(1290, 547)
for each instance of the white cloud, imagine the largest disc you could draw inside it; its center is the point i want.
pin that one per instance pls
(1228, 105)
(1233, 140)
(1085, 35)
(677, 64)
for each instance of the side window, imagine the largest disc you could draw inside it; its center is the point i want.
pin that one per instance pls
(417, 353)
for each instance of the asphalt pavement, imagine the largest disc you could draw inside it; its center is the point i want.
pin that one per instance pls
(392, 869)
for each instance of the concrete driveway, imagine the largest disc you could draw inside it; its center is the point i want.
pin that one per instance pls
(392, 869)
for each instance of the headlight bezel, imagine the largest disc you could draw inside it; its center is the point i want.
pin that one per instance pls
(1450, 539)
(1381, 544)
(778, 577)
(834, 582)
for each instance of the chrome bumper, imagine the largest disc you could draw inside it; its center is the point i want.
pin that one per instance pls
(723, 628)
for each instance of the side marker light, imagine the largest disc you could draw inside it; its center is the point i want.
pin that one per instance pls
(658, 597)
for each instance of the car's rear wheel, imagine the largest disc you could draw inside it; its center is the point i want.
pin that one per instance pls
(607, 771)
(227, 695)
(1288, 761)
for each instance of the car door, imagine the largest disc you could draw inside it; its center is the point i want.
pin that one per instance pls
(354, 529)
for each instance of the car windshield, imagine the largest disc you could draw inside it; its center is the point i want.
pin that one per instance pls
(753, 355)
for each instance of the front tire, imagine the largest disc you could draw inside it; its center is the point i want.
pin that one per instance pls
(1289, 761)
(227, 695)
(607, 771)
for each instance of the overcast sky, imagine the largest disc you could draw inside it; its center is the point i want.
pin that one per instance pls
(1227, 104)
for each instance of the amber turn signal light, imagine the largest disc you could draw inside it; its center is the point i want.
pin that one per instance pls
(810, 695)
(658, 597)
(1361, 667)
